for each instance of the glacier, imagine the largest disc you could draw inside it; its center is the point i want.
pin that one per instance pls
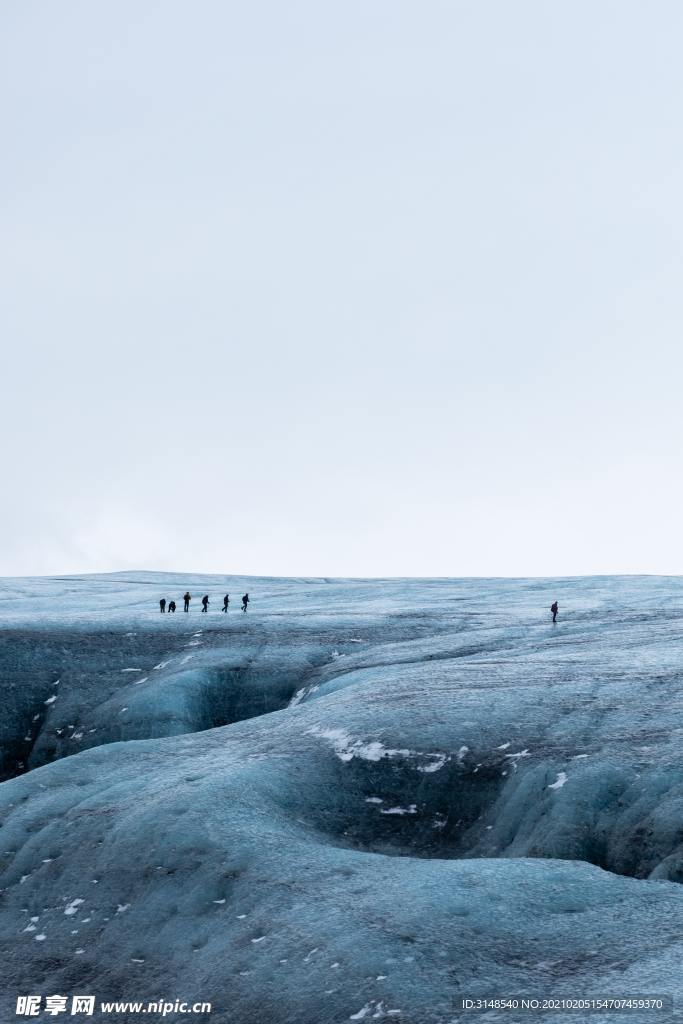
(360, 800)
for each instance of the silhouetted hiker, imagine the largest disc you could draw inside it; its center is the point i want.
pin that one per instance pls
(162, 605)
(226, 602)
(245, 602)
(171, 606)
(187, 598)
(554, 609)
(205, 602)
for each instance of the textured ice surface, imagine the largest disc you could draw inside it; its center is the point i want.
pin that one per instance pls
(358, 801)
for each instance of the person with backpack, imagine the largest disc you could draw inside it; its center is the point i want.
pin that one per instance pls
(245, 602)
(226, 602)
(205, 602)
(187, 598)
(554, 608)
(162, 605)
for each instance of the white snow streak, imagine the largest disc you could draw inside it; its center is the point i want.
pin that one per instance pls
(346, 747)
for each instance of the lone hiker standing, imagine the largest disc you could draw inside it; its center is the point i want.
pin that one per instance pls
(226, 602)
(205, 602)
(187, 598)
(162, 605)
(245, 602)
(554, 607)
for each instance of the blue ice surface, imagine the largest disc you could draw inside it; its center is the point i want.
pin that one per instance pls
(360, 800)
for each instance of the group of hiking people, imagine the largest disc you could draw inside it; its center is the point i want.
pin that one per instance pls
(163, 605)
(187, 597)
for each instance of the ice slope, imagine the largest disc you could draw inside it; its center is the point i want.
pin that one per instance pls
(359, 801)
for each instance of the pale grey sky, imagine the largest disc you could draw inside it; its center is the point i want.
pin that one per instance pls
(368, 287)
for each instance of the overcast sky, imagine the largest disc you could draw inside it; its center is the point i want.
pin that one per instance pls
(367, 287)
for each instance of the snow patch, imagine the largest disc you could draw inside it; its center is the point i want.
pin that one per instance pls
(346, 747)
(435, 765)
